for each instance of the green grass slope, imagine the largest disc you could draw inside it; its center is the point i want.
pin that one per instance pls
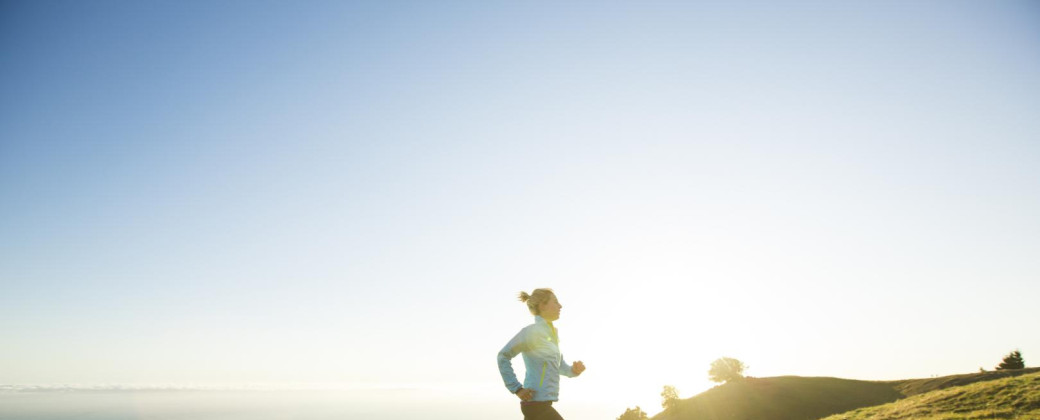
(781, 398)
(1016, 398)
(919, 386)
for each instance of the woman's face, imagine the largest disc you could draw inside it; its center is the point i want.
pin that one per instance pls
(550, 310)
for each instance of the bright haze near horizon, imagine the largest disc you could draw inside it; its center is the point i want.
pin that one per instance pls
(350, 194)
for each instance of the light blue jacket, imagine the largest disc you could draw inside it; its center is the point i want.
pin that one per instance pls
(542, 360)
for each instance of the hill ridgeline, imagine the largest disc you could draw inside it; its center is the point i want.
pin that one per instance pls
(812, 398)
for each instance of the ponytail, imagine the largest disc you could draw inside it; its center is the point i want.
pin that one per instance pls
(536, 298)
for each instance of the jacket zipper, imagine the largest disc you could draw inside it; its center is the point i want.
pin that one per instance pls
(541, 381)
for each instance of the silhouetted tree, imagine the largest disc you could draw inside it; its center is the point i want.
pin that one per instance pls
(669, 397)
(633, 414)
(1013, 360)
(726, 369)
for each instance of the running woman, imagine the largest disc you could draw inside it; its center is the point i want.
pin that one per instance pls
(540, 345)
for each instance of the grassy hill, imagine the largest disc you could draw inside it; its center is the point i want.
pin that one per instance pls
(1010, 398)
(800, 398)
(919, 386)
(781, 398)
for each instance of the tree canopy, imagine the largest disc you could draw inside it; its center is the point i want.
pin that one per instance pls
(669, 397)
(726, 369)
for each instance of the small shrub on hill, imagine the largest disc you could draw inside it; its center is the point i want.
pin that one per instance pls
(633, 414)
(1013, 360)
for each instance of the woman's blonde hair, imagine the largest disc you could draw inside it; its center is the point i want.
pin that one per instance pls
(536, 298)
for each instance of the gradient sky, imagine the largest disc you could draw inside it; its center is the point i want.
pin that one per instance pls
(353, 193)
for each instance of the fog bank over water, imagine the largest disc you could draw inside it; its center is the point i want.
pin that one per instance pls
(137, 387)
(115, 402)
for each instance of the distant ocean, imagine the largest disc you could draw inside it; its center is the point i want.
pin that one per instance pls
(264, 405)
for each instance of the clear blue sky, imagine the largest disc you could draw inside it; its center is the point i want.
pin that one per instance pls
(350, 192)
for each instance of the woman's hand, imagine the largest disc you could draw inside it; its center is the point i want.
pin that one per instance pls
(525, 394)
(578, 367)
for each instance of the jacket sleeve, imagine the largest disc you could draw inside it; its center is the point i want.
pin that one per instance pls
(518, 344)
(565, 368)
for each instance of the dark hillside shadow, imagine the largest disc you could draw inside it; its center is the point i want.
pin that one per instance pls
(782, 398)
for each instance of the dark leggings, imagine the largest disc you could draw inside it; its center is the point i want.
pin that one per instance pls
(541, 410)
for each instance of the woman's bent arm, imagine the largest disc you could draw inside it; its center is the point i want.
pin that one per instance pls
(505, 365)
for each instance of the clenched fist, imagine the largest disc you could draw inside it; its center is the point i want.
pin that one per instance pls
(525, 394)
(578, 367)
